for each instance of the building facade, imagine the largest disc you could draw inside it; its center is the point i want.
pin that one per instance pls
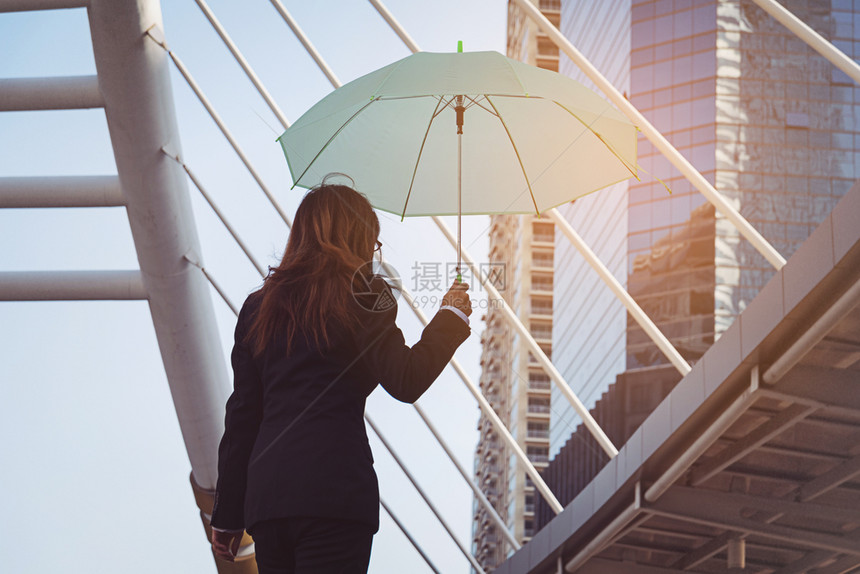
(769, 122)
(511, 379)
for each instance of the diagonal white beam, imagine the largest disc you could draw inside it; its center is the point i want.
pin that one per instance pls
(810, 336)
(704, 440)
(220, 214)
(632, 307)
(155, 35)
(299, 33)
(395, 25)
(536, 350)
(246, 67)
(654, 136)
(494, 419)
(475, 489)
(408, 536)
(426, 498)
(812, 38)
(217, 286)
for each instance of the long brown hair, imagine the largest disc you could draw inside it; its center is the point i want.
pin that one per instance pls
(333, 235)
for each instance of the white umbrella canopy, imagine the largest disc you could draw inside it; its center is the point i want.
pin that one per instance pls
(532, 139)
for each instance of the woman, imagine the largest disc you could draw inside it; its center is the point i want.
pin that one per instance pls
(295, 467)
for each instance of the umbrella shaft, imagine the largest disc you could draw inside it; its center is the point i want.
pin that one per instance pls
(459, 197)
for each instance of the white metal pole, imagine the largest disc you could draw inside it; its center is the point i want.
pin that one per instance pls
(71, 286)
(408, 536)
(632, 307)
(811, 336)
(33, 5)
(478, 493)
(426, 498)
(654, 136)
(811, 37)
(306, 43)
(705, 439)
(395, 25)
(61, 191)
(217, 211)
(214, 284)
(539, 354)
(58, 93)
(155, 35)
(243, 63)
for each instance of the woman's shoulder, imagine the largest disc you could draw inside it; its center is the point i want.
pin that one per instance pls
(250, 305)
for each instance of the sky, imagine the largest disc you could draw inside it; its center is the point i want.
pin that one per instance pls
(94, 471)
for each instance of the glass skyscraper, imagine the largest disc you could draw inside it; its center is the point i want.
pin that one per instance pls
(770, 123)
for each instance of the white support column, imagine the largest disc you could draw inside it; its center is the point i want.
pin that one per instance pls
(654, 136)
(632, 307)
(812, 38)
(71, 286)
(64, 191)
(134, 79)
(60, 93)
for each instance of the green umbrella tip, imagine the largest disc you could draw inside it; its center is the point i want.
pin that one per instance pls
(459, 46)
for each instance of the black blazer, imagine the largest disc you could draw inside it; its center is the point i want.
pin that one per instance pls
(294, 439)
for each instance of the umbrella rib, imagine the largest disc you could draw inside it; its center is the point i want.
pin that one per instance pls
(420, 152)
(448, 103)
(388, 98)
(519, 159)
(477, 103)
(598, 136)
(334, 135)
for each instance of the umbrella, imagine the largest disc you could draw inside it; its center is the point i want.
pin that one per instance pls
(463, 133)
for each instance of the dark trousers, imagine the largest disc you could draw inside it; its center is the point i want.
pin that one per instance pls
(308, 545)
